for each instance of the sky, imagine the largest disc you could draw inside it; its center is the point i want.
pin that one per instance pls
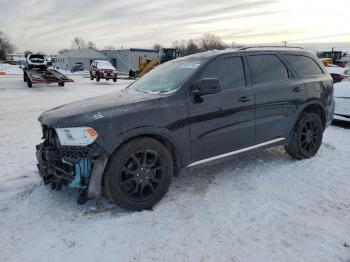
(48, 26)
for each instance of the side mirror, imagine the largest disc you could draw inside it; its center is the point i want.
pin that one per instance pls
(206, 86)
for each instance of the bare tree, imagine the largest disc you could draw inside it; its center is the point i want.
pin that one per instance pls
(27, 52)
(62, 51)
(78, 43)
(6, 47)
(181, 46)
(157, 46)
(192, 47)
(91, 45)
(211, 41)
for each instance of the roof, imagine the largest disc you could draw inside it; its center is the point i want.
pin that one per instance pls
(133, 50)
(213, 53)
(143, 50)
(84, 53)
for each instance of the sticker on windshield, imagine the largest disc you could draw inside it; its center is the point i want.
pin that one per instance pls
(189, 66)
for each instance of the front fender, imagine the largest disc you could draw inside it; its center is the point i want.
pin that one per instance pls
(181, 147)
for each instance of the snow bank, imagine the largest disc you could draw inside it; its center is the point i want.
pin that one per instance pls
(11, 69)
(342, 89)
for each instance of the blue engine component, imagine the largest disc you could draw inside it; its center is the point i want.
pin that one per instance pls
(83, 169)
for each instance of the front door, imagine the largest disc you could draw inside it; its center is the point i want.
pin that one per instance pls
(223, 122)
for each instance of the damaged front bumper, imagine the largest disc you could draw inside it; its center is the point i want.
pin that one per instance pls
(75, 167)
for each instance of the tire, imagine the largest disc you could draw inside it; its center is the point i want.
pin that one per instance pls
(91, 76)
(138, 174)
(24, 77)
(114, 80)
(307, 136)
(97, 78)
(61, 83)
(29, 83)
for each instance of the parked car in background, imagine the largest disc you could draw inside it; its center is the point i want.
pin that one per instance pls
(36, 61)
(49, 61)
(101, 69)
(184, 113)
(342, 101)
(338, 73)
(77, 67)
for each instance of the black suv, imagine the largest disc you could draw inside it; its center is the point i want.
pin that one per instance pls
(189, 111)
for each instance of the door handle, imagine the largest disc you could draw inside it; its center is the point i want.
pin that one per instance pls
(297, 89)
(245, 99)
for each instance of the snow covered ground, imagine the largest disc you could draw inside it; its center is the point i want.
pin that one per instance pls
(261, 206)
(11, 69)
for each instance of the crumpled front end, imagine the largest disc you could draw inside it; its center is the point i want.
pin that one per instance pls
(76, 167)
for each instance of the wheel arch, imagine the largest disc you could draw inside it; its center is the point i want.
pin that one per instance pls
(312, 107)
(161, 136)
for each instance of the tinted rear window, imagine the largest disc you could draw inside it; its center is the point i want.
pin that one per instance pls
(36, 57)
(304, 65)
(229, 71)
(266, 69)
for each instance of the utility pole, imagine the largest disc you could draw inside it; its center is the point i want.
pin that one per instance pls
(284, 43)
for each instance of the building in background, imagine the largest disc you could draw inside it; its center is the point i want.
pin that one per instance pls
(126, 59)
(84, 56)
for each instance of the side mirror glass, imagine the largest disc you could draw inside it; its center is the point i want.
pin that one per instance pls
(207, 86)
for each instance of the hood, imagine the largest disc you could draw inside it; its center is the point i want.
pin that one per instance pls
(83, 112)
(106, 67)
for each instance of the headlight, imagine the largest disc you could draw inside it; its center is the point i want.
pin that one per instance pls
(76, 136)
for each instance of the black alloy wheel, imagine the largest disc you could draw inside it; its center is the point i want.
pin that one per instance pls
(307, 136)
(139, 174)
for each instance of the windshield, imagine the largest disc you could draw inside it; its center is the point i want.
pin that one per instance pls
(167, 77)
(37, 57)
(104, 64)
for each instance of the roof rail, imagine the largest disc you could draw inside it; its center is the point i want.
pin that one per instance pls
(269, 46)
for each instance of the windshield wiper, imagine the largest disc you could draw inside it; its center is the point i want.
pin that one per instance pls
(148, 91)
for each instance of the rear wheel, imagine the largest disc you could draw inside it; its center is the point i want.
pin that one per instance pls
(91, 76)
(139, 174)
(307, 136)
(114, 79)
(24, 77)
(61, 83)
(29, 82)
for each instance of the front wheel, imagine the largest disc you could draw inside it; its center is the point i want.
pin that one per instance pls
(138, 174)
(307, 136)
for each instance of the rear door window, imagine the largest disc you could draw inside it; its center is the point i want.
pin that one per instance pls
(229, 71)
(305, 66)
(267, 68)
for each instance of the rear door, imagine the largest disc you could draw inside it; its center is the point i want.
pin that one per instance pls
(278, 94)
(223, 122)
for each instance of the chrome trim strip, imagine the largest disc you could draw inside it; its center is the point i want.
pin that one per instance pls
(235, 152)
